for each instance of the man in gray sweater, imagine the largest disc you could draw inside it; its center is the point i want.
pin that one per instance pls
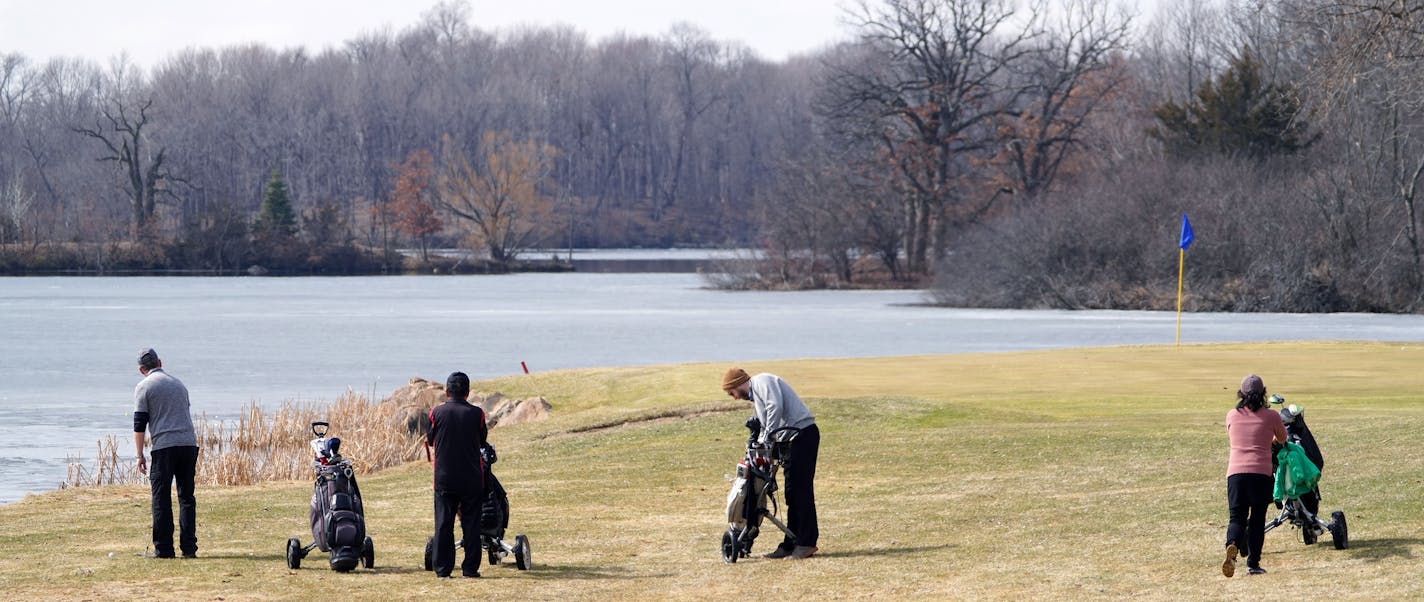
(161, 408)
(776, 406)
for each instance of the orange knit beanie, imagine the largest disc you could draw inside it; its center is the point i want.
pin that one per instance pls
(734, 378)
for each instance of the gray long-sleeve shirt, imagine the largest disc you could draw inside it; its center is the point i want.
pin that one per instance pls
(776, 405)
(165, 399)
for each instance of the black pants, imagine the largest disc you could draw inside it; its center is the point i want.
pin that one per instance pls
(801, 489)
(173, 464)
(469, 505)
(1247, 496)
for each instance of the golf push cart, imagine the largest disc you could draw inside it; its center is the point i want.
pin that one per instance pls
(1300, 511)
(752, 497)
(338, 523)
(494, 520)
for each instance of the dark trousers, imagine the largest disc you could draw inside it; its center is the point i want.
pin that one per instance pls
(1247, 496)
(173, 464)
(468, 505)
(801, 489)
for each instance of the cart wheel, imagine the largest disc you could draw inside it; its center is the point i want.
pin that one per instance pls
(1339, 531)
(523, 555)
(368, 554)
(730, 550)
(430, 554)
(294, 553)
(1307, 534)
(491, 549)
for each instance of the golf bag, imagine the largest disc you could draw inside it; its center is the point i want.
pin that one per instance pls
(752, 496)
(494, 513)
(1301, 508)
(338, 523)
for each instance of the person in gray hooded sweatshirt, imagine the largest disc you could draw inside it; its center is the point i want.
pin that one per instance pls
(161, 408)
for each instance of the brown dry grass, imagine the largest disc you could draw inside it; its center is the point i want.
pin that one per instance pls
(262, 446)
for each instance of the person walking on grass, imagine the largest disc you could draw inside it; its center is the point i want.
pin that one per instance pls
(161, 409)
(776, 405)
(457, 432)
(1251, 428)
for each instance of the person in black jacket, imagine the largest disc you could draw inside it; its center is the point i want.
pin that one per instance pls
(457, 432)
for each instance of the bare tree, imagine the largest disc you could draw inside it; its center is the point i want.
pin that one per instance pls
(1268, 29)
(63, 92)
(144, 175)
(15, 204)
(692, 56)
(1073, 71)
(505, 196)
(14, 88)
(1193, 26)
(810, 226)
(1374, 72)
(14, 199)
(930, 83)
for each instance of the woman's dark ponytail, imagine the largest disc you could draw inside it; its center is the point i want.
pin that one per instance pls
(1252, 401)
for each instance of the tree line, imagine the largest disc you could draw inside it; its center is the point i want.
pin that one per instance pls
(1291, 135)
(1015, 154)
(1041, 155)
(531, 137)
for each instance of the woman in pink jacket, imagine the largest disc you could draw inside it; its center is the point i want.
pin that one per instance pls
(1252, 428)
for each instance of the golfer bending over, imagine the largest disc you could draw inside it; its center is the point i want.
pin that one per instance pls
(457, 432)
(161, 409)
(1251, 427)
(777, 406)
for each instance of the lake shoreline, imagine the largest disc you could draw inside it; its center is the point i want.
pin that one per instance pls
(267, 340)
(256, 271)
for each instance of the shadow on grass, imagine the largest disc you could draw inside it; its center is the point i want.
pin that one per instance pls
(394, 570)
(1375, 550)
(201, 557)
(907, 551)
(554, 571)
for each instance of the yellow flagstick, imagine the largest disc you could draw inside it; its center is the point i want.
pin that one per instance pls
(1181, 263)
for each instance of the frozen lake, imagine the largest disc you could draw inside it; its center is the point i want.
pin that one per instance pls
(68, 344)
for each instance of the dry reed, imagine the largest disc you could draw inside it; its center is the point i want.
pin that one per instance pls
(260, 446)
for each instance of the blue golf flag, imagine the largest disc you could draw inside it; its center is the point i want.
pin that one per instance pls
(1186, 233)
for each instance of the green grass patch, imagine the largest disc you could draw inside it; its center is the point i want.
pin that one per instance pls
(1085, 473)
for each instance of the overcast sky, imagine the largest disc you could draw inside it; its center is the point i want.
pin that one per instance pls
(150, 30)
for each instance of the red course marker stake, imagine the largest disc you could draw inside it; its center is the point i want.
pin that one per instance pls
(526, 368)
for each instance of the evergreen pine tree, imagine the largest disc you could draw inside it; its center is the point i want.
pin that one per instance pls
(276, 216)
(1235, 115)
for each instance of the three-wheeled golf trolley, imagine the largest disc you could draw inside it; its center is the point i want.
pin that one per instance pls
(338, 524)
(494, 520)
(752, 497)
(1301, 511)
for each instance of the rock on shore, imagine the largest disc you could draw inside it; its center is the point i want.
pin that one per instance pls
(419, 396)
